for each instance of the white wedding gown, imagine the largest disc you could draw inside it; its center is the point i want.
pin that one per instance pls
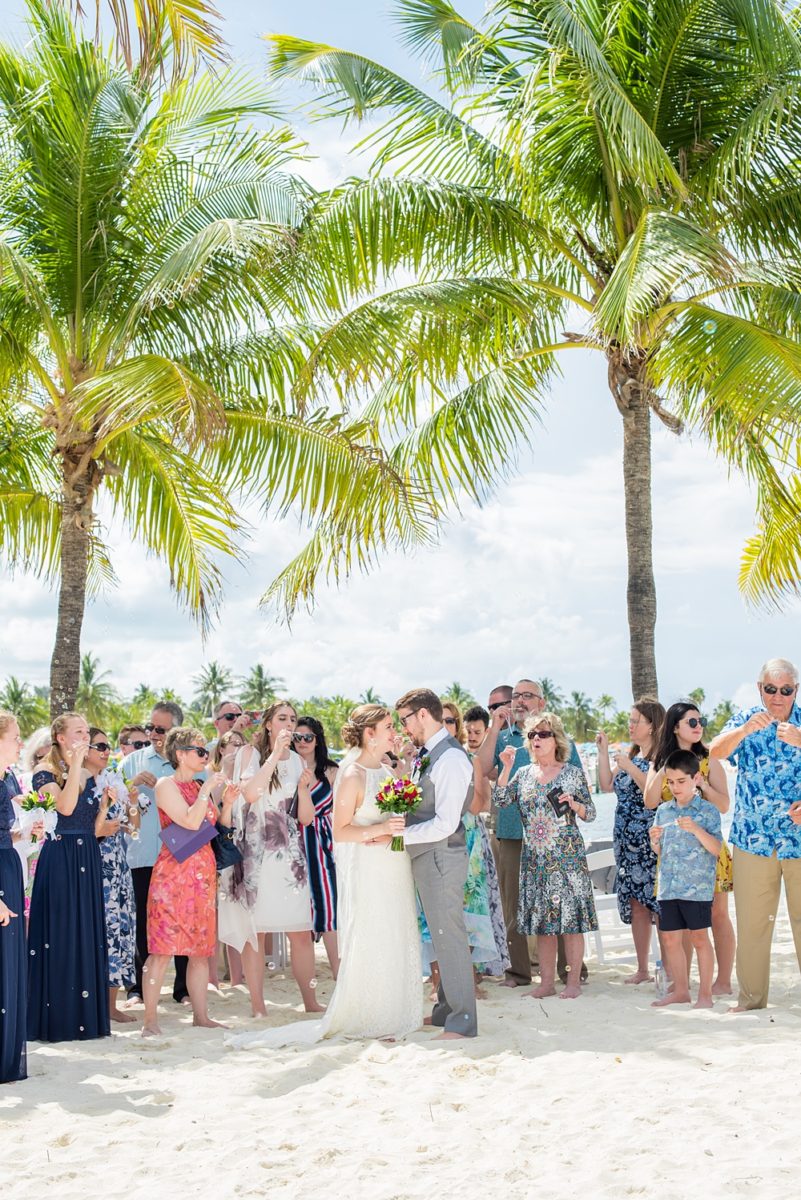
(379, 990)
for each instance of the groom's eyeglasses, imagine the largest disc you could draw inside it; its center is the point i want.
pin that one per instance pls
(770, 689)
(403, 720)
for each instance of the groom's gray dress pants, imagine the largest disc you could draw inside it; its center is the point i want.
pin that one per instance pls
(440, 875)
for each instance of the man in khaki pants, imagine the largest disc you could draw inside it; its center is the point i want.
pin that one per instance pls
(765, 744)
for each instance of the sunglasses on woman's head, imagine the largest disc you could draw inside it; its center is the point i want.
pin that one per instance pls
(159, 729)
(695, 722)
(101, 747)
(540, 733)
(200, 751)
(770, 689)
(304, 737)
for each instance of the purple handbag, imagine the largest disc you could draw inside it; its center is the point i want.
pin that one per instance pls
(183, 843)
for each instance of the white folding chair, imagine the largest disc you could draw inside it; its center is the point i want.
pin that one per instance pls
(612, 934)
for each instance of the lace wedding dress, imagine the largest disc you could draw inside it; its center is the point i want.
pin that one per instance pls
(379, 990)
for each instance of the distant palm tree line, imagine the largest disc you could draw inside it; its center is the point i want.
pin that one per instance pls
(102, 704)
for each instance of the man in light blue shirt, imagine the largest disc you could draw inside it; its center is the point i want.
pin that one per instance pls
(144, 768)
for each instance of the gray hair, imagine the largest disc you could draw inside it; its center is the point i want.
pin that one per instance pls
(778, 666)
(222, 705)
(169, 706)
(35, 741)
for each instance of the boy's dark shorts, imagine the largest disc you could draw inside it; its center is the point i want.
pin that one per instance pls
(684, 914)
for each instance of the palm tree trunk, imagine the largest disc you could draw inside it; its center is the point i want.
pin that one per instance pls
(624, 382)
(77, 514)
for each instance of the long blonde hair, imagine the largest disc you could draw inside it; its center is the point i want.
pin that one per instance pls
(53, 762)
(262, 740)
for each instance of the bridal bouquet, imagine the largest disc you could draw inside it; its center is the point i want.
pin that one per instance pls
(398, 797)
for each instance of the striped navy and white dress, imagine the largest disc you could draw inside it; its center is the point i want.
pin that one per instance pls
(319, 841)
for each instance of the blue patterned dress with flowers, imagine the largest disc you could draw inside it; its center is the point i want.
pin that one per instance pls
(118, 889)
(555, 884)
(67, 958)
(635, 860)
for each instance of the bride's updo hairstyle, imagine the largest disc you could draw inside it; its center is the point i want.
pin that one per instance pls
(362, 720)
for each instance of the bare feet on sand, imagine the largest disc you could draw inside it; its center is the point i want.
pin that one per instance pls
(571, 992)
(639, 977)
(314, 1007)
(740, 1008)
(545, 989)
(512, 983)
(672, 998)
(124, 1018)
(450, 1037)
(721, 988)
(151, 1031)
(704, 1002)
(207, 1023)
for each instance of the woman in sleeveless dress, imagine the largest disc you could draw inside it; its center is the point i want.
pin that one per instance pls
(379, 991)
(318, 837)
(682, 730)
(13, 959)
(182, 897)
(268, 892)
(67, 955)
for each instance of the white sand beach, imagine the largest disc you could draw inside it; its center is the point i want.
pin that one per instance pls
(603, 1096)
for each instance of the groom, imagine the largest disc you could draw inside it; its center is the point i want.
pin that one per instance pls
(435, 840)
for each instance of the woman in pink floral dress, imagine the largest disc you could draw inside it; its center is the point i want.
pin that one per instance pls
(181, 903)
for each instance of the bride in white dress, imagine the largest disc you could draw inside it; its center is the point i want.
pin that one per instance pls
(379, 990)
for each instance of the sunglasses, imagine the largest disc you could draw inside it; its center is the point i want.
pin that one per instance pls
(696, 722)
(449, 720)
(101, 747)
(304, 737)
(138, 745)
(159, 729)
(497, 704)
(770, 689)
(229, 716)
(540, 733)
(200, 751)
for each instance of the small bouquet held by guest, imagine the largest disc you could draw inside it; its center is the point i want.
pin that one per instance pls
(39, 807)
(398, 797)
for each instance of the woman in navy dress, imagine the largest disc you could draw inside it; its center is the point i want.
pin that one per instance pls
(13, 1059)
(67, 958)
(310, 745)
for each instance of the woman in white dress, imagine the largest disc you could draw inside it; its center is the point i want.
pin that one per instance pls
(379, 991)
(269, 891)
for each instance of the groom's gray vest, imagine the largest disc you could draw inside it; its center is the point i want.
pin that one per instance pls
(428, 804)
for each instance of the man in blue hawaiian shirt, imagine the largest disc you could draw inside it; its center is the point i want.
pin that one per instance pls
(764, 743)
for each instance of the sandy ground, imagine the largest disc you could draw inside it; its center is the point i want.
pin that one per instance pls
(603, 1095)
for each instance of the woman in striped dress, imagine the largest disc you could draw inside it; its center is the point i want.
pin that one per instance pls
(310, 744)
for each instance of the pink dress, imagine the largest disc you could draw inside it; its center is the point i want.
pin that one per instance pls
(182, 900)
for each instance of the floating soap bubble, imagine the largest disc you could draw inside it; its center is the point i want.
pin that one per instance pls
(709, 326)
(270, 966)
(312, 983)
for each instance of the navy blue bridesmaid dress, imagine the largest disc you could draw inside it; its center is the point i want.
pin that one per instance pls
(13, 967)
(67, 956)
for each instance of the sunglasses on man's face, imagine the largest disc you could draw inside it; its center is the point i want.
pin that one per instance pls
(540, 733)
(229, 716)
(696, 722)
(200, 751)
(770, 689)
(138, 745)
(498, 704)
(100, 747)
(159, 729)
(304, 737)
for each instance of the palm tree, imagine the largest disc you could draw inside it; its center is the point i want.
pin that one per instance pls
(459, 696)
(605, 708)
(580, 717)
(554, 700)
(698, 696)
(645, 157)
(258, 689)
(95, 693)
(21, 699)
(211, 684)
(723, 712)
(370, 696)
(163, 282)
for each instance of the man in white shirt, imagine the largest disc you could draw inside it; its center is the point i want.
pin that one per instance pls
(435, 842)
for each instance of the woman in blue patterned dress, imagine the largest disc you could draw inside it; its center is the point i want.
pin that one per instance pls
(119, 815)
(67, 957)
(555, 884)
(13, 965)
(636, 862)
(318, 838)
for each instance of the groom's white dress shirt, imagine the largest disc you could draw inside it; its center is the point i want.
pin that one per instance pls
(451, 775)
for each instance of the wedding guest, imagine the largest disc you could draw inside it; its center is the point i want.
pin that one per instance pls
(143, 768)
(555, 884)
(228, 716)
(476, 724)
(764, 742)
(181, 903)
(683, 730)
(634, 856)
(119, 814)
(13, 959)
(452, 720)
(68, 961)
(132, 737)
(687, 862)
(311, 747)
(222, 761)
(35, 750)
(29, 829)
(270, 894)
(225, 751)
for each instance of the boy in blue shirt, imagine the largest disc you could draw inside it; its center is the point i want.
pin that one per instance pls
(686, 834)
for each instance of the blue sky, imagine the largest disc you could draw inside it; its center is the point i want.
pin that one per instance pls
(533, 583)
